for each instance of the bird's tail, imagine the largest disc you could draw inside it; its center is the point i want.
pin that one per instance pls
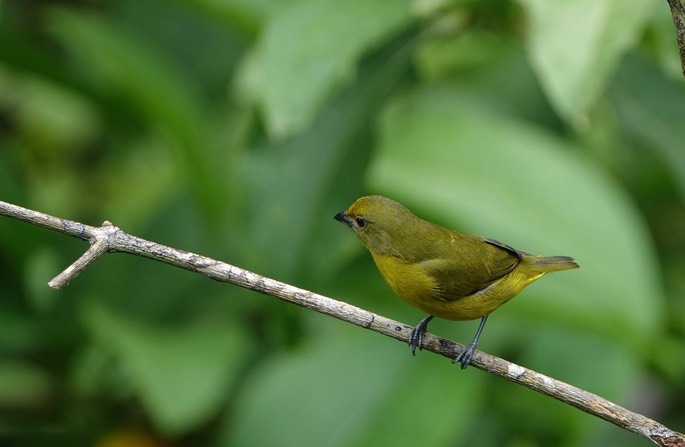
(546, 264)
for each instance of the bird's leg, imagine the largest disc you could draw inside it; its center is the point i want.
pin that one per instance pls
(465, 356)
(416, 337)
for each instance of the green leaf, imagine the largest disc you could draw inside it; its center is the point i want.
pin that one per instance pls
(588, 362)
(654, 116)
(310, 47)
(291, 179)
(487, 173)
(245, 16)
(120, 63)
(610, 371)
(51, 118)
(575, 46)
(183, 374)
(353, 388)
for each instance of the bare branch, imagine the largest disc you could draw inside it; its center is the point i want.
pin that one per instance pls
(678, 13)
(109, 238)
(97, 248)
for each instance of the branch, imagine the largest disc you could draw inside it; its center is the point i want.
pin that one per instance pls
(678, 13)
(109, 238)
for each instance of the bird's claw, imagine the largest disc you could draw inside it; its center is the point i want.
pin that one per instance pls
(464, 356)
(416, 337)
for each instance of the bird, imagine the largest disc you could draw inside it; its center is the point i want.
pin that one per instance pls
(445, 273)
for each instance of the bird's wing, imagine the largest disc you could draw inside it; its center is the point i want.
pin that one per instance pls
(470, 265)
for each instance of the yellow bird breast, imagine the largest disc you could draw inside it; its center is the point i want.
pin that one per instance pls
(414, 285)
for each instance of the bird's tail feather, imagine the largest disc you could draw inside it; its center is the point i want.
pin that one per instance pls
(545, 264)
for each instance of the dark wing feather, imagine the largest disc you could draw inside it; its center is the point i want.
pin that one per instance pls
(469, 264)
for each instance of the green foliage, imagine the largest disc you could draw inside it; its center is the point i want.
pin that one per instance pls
(180, 377)
(545, 192)
(309, 47)
(346, 389)
(575, 52)
(237, 129)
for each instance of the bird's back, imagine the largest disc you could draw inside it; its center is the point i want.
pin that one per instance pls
(448, 267)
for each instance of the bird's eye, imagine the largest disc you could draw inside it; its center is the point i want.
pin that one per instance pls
(361, 223)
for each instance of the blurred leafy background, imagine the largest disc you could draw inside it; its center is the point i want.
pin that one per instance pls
(238, 128)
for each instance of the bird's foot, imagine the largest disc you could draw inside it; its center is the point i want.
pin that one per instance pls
(416, 337)
(464, 356)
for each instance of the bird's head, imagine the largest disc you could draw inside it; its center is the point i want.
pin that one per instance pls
(380, 223)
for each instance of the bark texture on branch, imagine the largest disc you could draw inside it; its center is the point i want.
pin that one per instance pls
(109, 238)
(678, 13)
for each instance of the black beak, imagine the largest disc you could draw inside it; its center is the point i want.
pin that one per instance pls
(342, 217)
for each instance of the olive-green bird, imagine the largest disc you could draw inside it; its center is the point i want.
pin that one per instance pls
(445, 273)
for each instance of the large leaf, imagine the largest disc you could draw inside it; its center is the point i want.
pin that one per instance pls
(588, 362)
(182, 375)
(445, 153)
(575, 45)
(311, 46)
(353, 388)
